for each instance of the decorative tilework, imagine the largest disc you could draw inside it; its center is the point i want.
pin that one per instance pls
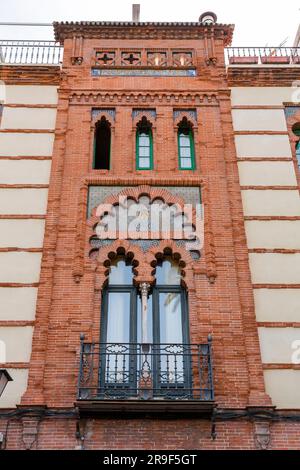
(189, 112)
(191, 195)
(137, 112)
(142, 73)
(96, 112)
(291, 110)
(97, 194)
(144, 245)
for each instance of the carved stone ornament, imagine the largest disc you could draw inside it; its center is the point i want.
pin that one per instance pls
(262, 435)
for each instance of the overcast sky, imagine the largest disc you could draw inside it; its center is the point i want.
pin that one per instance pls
(258, 22)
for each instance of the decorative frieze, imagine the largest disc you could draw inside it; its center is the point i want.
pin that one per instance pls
(176, 98)
(143, 72)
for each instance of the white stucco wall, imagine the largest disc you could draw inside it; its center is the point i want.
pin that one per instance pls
(24, 171)
(275, 268)
(18, 303)
(267, 173)
(31, 94)
(22, 233)
(17, 144)
(28, 118)
(283, 386)
(20, 267)
(23, 201)
(14, 391)
(271, 202)
(259, 120)
(17, 341)
(273, 234)
(263, 146)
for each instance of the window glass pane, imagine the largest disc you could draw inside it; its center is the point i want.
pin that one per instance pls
(168, 273)
(118, 332)
(120, 273)
(171, 358)
(184, 140)
(118, 321)
(170, 318)
(185, 152)
(144, 162)
(144, 151)
(149, 320)
(298, 153)
(144, 140)
(186, 163)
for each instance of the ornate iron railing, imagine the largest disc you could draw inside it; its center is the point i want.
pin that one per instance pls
(30, 53)
(145, 372)
(262, 55)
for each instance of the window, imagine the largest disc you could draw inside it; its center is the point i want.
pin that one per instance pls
(186, 150)
(296, 131)
(144, 146)
(102, 145)
(122, 330)
(298, 153)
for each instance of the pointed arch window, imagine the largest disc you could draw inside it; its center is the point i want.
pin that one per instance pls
(144, 145)
(186, 146)
(102, 145)
(296, 131)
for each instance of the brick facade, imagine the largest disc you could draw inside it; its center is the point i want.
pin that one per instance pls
(219, 284)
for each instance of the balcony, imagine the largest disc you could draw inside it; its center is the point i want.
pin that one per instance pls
(249, 56)
(145, 379)
(30, 53)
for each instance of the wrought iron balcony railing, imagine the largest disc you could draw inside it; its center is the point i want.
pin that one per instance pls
(262, 55)
(149, 372)
(30, 53)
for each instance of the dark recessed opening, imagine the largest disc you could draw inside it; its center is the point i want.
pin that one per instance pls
(102, 145)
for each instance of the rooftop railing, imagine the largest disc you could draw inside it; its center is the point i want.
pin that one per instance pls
(51, 53)
(30, 53)
(262, 55)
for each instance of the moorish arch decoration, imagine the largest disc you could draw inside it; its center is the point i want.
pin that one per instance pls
(91, 250)
(144, 264)
(145, 216)
(189, 115)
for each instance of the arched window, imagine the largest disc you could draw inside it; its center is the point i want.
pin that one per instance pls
(144, 145)
(124, 352)
(170, 305)
(186, 147)
(119, 301)
(296, 130)
(102, 145)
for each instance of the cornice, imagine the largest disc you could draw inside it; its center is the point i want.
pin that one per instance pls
(130, 30)
(30, 74)
(262, 76)
(140, 98)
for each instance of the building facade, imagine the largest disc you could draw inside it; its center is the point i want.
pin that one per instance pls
(146, 342)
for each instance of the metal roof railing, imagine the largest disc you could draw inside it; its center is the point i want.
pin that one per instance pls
(262, 55)
(51, 53)
(30, 52)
